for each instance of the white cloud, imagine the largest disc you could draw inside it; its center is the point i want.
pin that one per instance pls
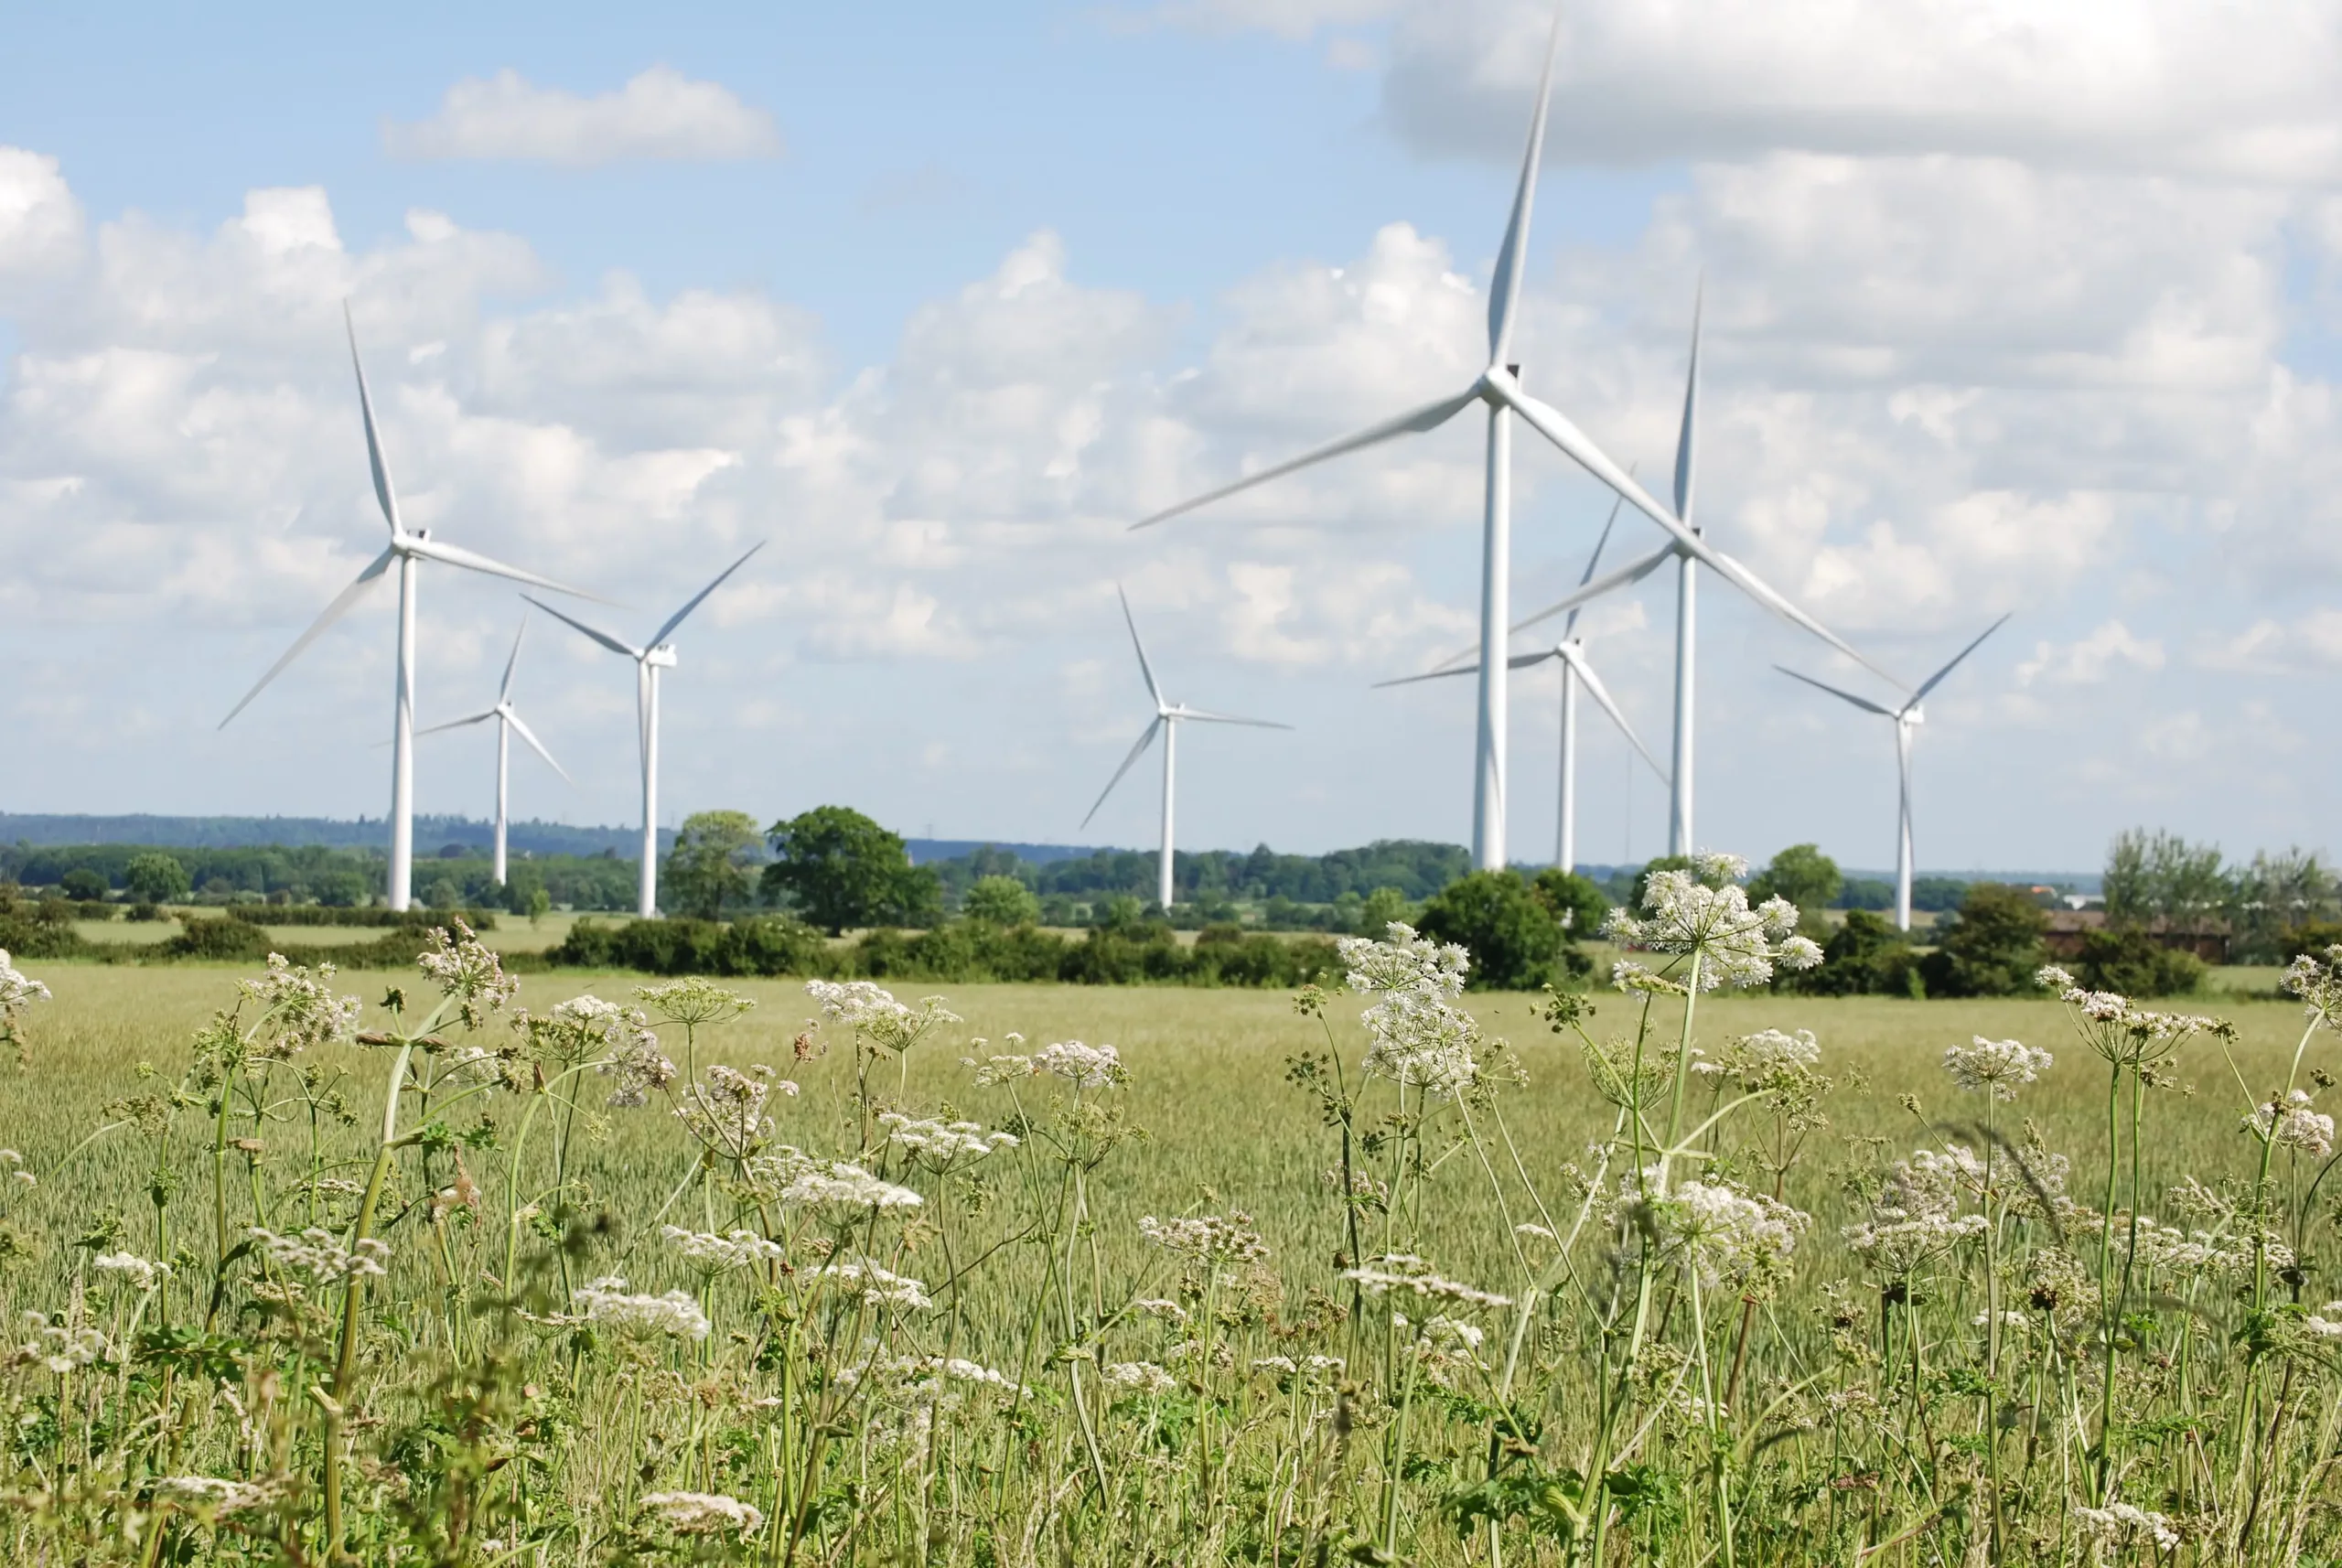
(2092, 660)
(1283, 18)
(662, 114)
(2269, 646)
(40, 223)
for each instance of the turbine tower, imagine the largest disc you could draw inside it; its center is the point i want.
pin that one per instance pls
(1498, 388)
(648, 659)
(409, 550)
(1907, 718)
(1168, 717)
(507, 723)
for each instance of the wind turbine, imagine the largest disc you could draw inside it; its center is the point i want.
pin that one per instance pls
(508, 722)
(1575, 670)
(1907, 718)
(1498, 387)
(648, 659)
(409, 550)
(1168, 717)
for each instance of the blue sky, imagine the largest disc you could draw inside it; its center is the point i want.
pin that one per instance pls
(937, 300)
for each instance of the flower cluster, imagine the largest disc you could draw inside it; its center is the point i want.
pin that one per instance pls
(1206, 1238)
(2122, 1527)
(1916, 1217)
(727, 1112)
(873, 1015)
(1143, 1378)
(878, 1286)
(2124, 1035)
(298, 1009)
(2290, 1123)
(693, 1001)
(57, 1344)
(704, 1513)
(1733, 944)
(1084, 1066)
(940, 1143)
(618, 1040)
(607, 1304)
(467, 972)
(17, 993)
(210, 1495)
(1414, 1275)
(318, 1253)
(1734, 1238)
(1421, 1039)
(1997, 1068)
(844, 1192)
(131, 1269)
(713, 1254)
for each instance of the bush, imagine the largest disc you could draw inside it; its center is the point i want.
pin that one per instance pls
(154, 877)
(84, 885)
(1991, 947)
(1515, 941)
(225, 938)
(2135, 964)
(1865, 956)
(1000, 901)
(1575, 901)
(769, 945)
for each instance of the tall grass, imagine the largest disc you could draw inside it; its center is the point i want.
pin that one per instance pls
(1122, 1341)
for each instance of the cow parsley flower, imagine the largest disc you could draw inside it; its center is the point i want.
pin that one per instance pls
(693, 1002)
(873, 1015)
(878, 1286)
(713, 1254)
(2123, 1527)
(618, 1039)
(844, 1192)
(1916, 1216)
(1141, 1378)
(131, 1269)
(1720, 1232)
(1206, 1238)
(607, 1304)
(17, 993)
(726, 1112)
(319, 1253)
(467, 972)
(58, 1346)
(2292, 1124)
(1733, 944)
(210, 1497)
(704, 1513)
(1422, 1039)
(1998, 1067)
(1416, 1276)
(1084, 1066)
(298, 1009)
(940, 1145)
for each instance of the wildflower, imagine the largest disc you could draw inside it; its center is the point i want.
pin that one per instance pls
(1171, 1312)
(17, 993)
(1207, 1238)
(2122, 1527)
(873, 1014)
(1000, 1069)
(938, 1144)
(727, 1112)
(298, 1008)
(1916, 1217)
(134, 1270)
(704, 1513)
(210, 1497)
(713, 1254)
(318, 1253)
(1422, 1039)
(846, 1192)
(2323, 1326)
(618, 1039)
(878, 1286)
(1735, 945)
(2291, 1124)
(1405, 1272)
(2317, 982)
(1723, 1234)
(1085, 1066)
(2130, 1037)
(606, 1303)
(693, 1002)
(58, 1346)
(467, 972)
(1999, 1068)
(1143, 1378)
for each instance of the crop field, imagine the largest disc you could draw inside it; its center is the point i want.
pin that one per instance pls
(1855, 1312)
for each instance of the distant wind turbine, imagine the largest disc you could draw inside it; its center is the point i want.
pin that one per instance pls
(648, 659)
(1168, 717)
(1575, 670)
(1498, 387)
(409, 550)
(507, 723)
(1907, 718)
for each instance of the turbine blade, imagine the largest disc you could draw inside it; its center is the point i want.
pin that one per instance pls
(383, 494)
(1144, 741)
(1843, 696)
(1431, 416)
(1230, 719)
(333, 612)
(1595, 559)
(1929, 684)
(537, 746)
(1748, 582)
(1683, 442)
(1601, 694)
(459, 723)
(1623, 578)
(472, 561)
(677, 618)
(604, 638)
(513, 663)
(1427, 675)
(1504, 287)
(1153, 688)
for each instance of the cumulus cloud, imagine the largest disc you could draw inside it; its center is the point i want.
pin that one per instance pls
(40, 222)
(659, 115)
(2092, 660)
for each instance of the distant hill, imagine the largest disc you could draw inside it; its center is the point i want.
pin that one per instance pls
(431, 834)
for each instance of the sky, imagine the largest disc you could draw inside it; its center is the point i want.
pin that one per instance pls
(2007, 309)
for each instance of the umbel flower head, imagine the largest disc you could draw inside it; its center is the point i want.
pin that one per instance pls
(873, 1015)
(2291, 1123)
(1733, 944)
(467, 972)
(1423, 1040)
(16, 993)
(298, 1009)
(704, 1513)
(1998, 1067)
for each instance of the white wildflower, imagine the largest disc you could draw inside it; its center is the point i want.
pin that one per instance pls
(2125, 1527)
(873, 1014)
(726, 1112)
(299, 1008)
(713, 1254)
(843, 1191)
(1737, 946)
(1138, 1378)
(621, 1039)
(468, 972)
(607, 1304)
(210, 1496)
(1085, 1066)
(1998, 1067)
(940, 1144)
(1423, 1040)
(1171, 1312)
(16, 991)
(133, 1269)
(704, 1513)
(319, 1253)
(1207, 1237)
(1916, 1217)
(878, 1286)
(2292, 1124)
(1405, 1272)
(59, 1346)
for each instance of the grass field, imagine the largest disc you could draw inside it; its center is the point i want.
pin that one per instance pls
(1209, 1124)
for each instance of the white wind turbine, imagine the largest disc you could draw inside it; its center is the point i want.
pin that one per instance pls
(1575, 670)
(409, 550)
(507, 723)
(1168, 717)
(1907, 718)
(1498, 387)
(648, 659)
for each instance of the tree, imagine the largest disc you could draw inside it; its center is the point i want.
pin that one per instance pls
(1574, 902)
(155, 877)
(2133, 963)
(1381, 906)
(1801, 874)
(2153, 876)
(839, 868)
(1866, 955)
(1991, 947)
(997, 900)
(1515, 941)
(83, 883)
(708, 868)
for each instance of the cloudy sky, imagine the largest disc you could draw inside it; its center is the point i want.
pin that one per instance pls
(2009, 307)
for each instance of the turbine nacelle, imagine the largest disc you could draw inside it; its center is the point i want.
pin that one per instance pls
(662, 656)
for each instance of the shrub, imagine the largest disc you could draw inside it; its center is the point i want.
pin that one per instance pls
(1381, 906)
(225, 938)
(1991, 947)
(1575, 901)
(2135, 964)
(1000, 901)
(83, 885)
(1515, 941)
(1864, 956)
